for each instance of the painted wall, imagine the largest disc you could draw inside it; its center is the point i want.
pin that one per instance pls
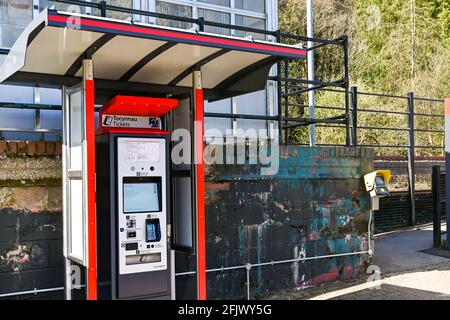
(316, 205)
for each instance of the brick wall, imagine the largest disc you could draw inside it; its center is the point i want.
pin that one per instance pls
(30, 218)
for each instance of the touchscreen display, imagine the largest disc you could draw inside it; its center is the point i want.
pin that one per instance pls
(141, 197)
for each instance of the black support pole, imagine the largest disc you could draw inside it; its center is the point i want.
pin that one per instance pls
(436, 190)
(279, 95)
(286, 100)
(411, 160)
(102, 8)
(354, 96)
(201, 24)
(347, 90)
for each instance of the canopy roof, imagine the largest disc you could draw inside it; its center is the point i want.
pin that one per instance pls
(135, 56)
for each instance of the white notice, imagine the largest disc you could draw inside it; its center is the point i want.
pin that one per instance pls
(142, 152)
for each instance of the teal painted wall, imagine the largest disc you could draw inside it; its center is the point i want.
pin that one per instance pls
(315, 205)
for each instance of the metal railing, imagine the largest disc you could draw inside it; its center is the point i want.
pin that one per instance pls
(248, 267)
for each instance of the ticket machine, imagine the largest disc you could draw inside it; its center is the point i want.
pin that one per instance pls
(133, 208)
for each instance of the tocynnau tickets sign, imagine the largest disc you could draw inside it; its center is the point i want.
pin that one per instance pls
(117, 121)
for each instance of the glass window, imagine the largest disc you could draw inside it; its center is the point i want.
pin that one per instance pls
(251, 5)
(252, 103)
(217, 124)
(175, 10)
(250, 22)
(114, 14)
(215, 16)
(225, 3)
(60, 6)
(14, 17)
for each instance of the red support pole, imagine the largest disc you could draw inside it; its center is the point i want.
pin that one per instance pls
(91, 201)
(200, 178)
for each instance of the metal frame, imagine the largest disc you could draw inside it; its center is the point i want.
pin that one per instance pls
(67, 176)
(86, 174)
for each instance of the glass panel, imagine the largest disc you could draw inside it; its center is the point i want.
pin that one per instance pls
(75, 135)
(76, 219)
(50, 96)
(250, 22)
(251, 5)
(83, 9)
(183, 212)
(225, 3)
(60, 6)
(252, 103)
(14, 17)
(252, 125)
(113, 14)
(215, 16)
(175, 10)
(14, 118)
(16, 94)
(51, 119)
(220, 124)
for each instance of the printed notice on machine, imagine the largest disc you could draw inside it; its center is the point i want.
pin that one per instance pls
(142, 151)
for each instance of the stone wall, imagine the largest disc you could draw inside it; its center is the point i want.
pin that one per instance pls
(30, 218)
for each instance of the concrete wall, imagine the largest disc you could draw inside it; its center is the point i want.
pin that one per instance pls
(30, 218)
(316, 205)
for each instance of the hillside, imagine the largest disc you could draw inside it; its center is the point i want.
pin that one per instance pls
(395, 47)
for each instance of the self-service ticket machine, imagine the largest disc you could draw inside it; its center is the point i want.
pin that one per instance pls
(133, 208)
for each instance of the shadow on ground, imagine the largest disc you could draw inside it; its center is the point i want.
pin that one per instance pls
(392, 292)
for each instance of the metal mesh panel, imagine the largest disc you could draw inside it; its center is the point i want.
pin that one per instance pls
(393, 213)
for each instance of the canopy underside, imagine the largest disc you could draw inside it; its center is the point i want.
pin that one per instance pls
(52, 48)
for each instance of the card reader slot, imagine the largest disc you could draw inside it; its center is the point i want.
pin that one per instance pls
(143, 258)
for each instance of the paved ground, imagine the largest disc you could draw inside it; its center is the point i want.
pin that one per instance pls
(401, 250)
(426, 283)
(406, 273)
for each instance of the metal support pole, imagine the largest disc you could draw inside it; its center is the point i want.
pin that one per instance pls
(447, 168)
(411, 159)
(102, 8)
(89, 159)
(67, 263)
(200, 183)
(248, 267)
(37, 112)
(201, 24)
(436, 190)
(347, 89)
(286, 101)
(279, 95)
(354, 96)
(311, 70)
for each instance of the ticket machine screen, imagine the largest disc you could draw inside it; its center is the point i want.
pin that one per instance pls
(141, 195)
